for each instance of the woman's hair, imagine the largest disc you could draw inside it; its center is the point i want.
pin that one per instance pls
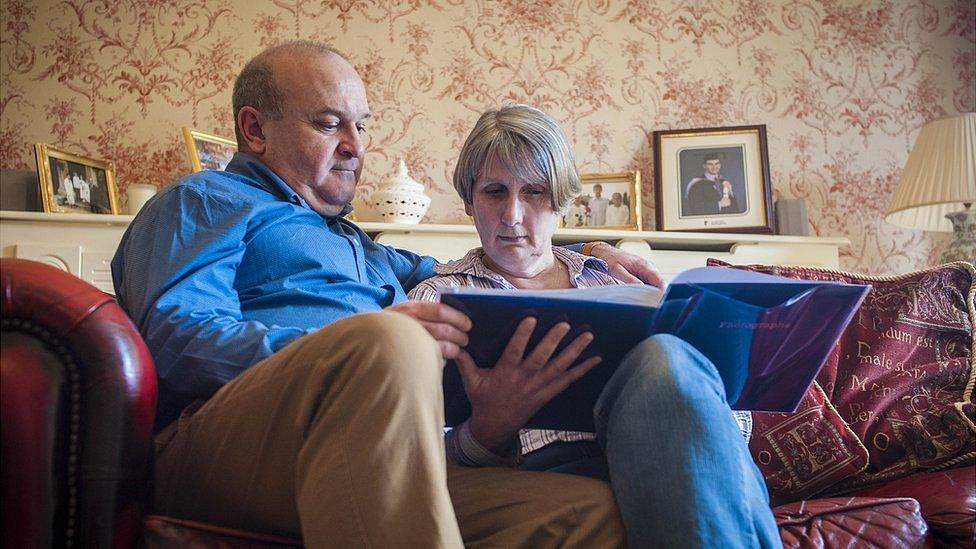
(528, 143)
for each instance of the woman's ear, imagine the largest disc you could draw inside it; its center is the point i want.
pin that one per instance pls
(468, 209)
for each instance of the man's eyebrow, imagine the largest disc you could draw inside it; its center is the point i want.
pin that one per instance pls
(337, 113)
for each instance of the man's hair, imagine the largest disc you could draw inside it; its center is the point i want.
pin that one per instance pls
(255, 86)
(528, 143)
(711, 156)
(598, 186)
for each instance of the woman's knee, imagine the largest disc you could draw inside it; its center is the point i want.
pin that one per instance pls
(666, 359)
(659, 375)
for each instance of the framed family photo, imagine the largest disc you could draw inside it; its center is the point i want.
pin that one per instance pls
(714, 179)
(207, 151)
(72, 183)
(608, 201)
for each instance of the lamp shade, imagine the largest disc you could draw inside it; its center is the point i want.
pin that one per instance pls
(939, 177)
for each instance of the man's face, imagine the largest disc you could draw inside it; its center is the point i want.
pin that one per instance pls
(317, 144)
(713, 166)
(616, 199)
(597, 191)
(514, 218)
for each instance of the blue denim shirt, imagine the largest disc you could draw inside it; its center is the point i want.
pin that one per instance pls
(222, 269)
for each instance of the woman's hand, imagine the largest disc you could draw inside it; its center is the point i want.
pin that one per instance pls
(503, 398)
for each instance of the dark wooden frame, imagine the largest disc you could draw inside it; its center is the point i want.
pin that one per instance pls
(760, 189)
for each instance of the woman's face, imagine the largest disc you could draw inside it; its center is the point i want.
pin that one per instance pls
(515, 220)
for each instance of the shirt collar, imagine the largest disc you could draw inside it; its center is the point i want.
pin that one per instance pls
(250, 167)
(473, 264)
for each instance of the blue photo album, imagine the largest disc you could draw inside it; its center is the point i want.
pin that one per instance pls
(768, 336)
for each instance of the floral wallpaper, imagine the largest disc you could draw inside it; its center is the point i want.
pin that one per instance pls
(843, 86)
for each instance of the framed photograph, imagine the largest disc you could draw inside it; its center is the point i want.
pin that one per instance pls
(714, 179)
(608, 201)
(206, 151)
(71, 183)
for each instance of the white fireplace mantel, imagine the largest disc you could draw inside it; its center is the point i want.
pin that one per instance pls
(84, 244)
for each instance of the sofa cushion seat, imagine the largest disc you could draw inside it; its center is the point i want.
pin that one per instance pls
(947, 499)
(852, 522)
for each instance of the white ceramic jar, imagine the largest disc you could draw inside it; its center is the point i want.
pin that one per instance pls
(401, 199)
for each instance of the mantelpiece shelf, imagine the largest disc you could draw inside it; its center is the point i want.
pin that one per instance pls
(84, 244)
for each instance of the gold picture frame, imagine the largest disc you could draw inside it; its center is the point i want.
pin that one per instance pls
(207, 151)
(72, 183)
(600, 203)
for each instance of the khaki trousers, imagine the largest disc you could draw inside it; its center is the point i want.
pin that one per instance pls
(338, 439)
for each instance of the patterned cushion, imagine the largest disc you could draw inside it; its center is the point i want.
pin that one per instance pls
(802, 453)
(902, 375)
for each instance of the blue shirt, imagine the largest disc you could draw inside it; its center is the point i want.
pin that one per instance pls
(222, 269)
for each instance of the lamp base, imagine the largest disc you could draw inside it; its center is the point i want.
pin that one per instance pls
(963, 245)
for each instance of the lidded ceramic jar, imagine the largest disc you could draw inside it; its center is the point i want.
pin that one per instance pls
(401, 199)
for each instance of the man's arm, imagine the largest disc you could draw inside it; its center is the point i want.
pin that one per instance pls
(624, 266)
(174, 274)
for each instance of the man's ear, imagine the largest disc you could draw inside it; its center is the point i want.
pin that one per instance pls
(251, 122)
(468, 209)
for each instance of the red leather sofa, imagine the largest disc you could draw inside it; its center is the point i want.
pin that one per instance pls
(77, 396)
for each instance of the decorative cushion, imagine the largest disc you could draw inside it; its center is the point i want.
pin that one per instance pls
(902, 375)
(802, 453)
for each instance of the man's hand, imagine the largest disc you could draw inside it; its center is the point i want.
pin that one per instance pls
(625, 266)
(445, 324)
(503, 398)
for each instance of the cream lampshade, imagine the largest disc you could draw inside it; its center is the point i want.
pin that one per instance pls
(937, 189)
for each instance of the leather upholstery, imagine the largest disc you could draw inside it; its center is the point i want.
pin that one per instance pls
(947, 499)
(78, 395)
(852, 522)
(166, 532)
(77, 398)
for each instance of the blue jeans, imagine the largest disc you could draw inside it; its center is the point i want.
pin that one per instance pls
(680, 469)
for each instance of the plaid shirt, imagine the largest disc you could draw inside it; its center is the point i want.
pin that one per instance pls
(471, 271)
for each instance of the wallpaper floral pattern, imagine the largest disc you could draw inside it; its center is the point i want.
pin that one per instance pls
(842, 85)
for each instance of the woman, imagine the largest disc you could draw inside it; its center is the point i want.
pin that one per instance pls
(665, 435)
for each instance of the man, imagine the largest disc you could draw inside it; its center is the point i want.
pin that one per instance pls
(598, 207)
(710, 193)
(618, 213)
(283, 410)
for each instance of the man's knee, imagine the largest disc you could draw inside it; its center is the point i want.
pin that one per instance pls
(386, 345)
